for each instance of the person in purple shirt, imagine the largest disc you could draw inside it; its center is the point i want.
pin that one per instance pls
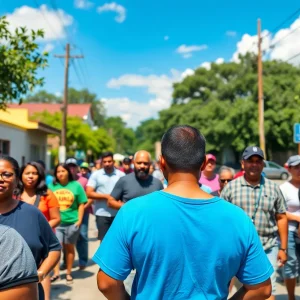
(208, 176)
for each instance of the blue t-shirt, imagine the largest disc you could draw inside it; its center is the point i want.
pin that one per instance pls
(182, 248)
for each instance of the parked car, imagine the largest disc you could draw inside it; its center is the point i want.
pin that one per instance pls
(275, 171)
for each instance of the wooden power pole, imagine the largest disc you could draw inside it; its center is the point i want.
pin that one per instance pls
(63, 140)
(261, 128)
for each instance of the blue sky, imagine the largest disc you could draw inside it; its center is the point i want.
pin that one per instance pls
(132, 49)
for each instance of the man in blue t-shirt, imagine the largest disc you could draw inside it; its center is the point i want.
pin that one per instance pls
(183, 243)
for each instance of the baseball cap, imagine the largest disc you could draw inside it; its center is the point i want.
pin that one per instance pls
(293, 161)
(252, 150)
(211, 156)
(71, 161)
(84, 165)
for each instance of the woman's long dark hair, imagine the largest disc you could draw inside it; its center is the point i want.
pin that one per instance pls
(41, 187)
(66, 167)
(15, 167)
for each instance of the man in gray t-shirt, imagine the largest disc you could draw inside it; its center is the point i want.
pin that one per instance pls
(136, 184)
(17, 266)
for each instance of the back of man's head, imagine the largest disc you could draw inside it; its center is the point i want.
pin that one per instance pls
(183, 148)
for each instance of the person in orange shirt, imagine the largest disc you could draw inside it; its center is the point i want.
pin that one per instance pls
(33, 190)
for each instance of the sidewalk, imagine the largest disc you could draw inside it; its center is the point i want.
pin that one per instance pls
(85, 285)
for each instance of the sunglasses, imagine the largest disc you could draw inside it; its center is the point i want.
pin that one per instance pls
(225, 180)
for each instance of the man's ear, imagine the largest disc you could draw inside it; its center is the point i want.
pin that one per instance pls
(204, 164)
(162, 163)
(243, 165)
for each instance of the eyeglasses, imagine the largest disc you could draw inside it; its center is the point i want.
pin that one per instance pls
(225, 180)
(6, 175)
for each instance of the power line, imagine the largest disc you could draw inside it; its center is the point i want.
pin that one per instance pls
(55, 8)
(294, 56)
(283, 38)
(45, 18)
(76, 72)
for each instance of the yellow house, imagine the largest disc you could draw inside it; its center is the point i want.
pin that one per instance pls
(23, 139)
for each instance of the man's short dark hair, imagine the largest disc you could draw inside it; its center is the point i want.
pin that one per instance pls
(183, 148)
(107, 154)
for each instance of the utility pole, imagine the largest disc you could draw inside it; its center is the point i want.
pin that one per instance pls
(63, 139)
(261, 128)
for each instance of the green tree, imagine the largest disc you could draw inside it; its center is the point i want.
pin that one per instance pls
(79, 135)
(42, 96)
(19, 62)
(124, 137)
(222, 103)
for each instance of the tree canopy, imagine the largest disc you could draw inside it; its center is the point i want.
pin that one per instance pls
(222, 103)
(19, 62)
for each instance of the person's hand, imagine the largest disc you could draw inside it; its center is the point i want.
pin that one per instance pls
(282, 258)
(41, 275)
(77, 224)
(110, 199)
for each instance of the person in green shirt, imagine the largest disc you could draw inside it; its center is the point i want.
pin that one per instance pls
(71, 197)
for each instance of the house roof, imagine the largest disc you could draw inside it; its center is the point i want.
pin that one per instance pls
(19, 118)
(74, 110)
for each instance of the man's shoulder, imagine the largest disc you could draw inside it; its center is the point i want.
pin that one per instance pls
(271, 184)
(120, 173)
(155, 180)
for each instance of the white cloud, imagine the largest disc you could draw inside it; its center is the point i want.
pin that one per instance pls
(207, 65)
(48, 48)
(186, 51)
(187, 72)
(83, 4)
(219, 61)
(58, 94)
(133, 112)
(289, 43)
(52, 22)
(166, 38)
(231, 33)
(248, 43)
(117, 8)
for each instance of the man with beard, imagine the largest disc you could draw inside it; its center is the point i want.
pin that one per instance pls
(99, 187)
(264, 203)
(136, 184)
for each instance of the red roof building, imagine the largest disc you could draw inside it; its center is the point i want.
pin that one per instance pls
(82, 111)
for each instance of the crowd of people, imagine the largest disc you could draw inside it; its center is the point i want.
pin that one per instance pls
(177, 229)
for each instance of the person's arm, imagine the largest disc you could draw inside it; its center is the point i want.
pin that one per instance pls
(80, 215)
(54, 217)
(48, 264)
(27, 291)
(225, 194)
(282, 225)
(91, 189)
(254, 292)
(292, 217)
(90, 192)
(113, 203)
(53, 207)
(114, 199)
(89, 203)
(111, 288)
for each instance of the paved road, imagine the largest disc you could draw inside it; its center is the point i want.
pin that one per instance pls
(84, 286)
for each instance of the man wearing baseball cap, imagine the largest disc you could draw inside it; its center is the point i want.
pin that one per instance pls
(264, 203)
(290, 190)
(208, 176)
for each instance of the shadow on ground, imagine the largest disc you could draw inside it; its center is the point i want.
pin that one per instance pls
(58, 289)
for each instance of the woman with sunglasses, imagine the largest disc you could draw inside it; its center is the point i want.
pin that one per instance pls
(226, 175)
(33, 190)
(71, 198)
(27, 220)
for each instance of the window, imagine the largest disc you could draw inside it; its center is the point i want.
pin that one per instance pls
(273, 165)
(4, 147)
(34, 152)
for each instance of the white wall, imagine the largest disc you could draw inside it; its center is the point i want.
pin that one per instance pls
(21, 140)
